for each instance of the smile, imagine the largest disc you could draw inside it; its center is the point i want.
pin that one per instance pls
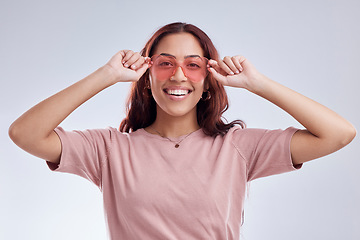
(177, 92)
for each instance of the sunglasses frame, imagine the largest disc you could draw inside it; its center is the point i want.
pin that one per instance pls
(180, 64)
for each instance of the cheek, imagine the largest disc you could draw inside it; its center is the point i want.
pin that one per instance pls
(160, 76)
(155, 87)
(201, 85)
(153, 82)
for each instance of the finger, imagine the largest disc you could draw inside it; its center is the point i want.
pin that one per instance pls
(147, 60)
(138, 63)
(142, 69)
(229, 62)
(117, 58)
(242, 61)
(128, 55)
(236, 61)
(213, 64)
(122, 53)
(225, 67)
(135, 57)
(219, 77)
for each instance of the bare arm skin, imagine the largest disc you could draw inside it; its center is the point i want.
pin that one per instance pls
(34, 130)
(325, 132)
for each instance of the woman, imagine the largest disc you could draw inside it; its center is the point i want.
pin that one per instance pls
(175, 170)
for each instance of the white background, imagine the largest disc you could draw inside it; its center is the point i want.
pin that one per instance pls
(309, 46)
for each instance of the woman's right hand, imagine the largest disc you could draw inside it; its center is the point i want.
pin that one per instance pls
(127, 66)
(34, 130)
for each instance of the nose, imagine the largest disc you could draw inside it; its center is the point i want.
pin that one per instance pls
(179, 74)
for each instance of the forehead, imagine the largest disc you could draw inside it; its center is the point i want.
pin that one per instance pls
(179, 45)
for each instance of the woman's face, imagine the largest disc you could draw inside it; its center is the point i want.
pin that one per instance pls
(177, 96)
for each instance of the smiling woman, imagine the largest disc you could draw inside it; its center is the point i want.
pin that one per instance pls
(176, 170)
(180, 43)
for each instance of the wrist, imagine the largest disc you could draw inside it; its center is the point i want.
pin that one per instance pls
(257, 84)
(108, 74)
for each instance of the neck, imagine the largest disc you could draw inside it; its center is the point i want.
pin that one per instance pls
(174, 126)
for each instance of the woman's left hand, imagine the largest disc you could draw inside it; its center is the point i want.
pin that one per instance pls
(325, 131)
(234, 71)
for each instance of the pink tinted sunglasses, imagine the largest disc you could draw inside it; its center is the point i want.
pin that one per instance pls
(163, 67)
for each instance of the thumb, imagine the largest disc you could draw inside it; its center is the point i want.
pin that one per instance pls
(219, 77)
(142, 69)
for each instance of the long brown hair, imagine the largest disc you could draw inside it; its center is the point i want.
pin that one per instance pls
(141, 106)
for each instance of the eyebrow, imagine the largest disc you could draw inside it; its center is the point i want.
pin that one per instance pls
(187, 56)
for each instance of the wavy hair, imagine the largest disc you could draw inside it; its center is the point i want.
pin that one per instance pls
(141, 106)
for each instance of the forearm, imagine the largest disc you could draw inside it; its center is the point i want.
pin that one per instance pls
(330, 130)
(39, 121)
(325, 131)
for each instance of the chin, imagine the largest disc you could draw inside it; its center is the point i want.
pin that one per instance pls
(179, 111)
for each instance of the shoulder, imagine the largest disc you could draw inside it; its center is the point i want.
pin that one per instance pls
(251, 136)
(237, 132)
(93, 135)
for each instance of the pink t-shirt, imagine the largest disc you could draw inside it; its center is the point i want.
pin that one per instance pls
(152, 190)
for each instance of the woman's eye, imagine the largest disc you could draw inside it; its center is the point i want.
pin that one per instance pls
(165, 64)
(193, 65)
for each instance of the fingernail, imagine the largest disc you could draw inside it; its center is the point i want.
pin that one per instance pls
(237, 72)
(126, 65)
(133, 66)
(231, 73)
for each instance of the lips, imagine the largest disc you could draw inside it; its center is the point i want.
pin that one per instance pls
(177, 91)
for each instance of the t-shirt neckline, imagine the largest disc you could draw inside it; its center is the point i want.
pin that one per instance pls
(191, 135)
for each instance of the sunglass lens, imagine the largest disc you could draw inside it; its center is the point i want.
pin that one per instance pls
(194, 68)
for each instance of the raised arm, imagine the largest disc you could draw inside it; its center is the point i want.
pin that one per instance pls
(33, 131)
(325, 132)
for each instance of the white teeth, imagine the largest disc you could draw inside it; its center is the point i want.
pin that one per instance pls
(177, 92)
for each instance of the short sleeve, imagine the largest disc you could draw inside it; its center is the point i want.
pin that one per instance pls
(83, 153)
(266, 152)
